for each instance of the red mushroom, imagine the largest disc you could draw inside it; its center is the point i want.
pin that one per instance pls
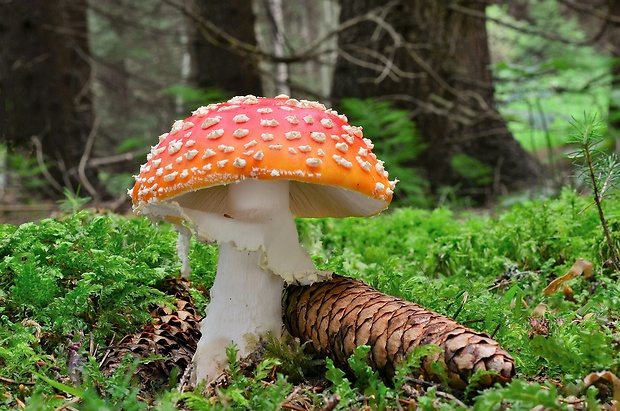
(236, 173)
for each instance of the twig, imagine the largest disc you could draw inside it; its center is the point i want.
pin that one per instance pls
(13, 382)
(84, 159)
(107, 351)
(598, 199)
(543, 122)
(118, 158)
(39, 152)
(293, 407)
(522, 29)
(185, 377)
(428, 384)
(66, 405)
(229, 42)
(593, 11)
(451, 397)
(499, 325)
(331, 403)
(27, 207)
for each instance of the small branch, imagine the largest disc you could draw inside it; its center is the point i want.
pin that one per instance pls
(522, 29)
(84, 160)
(331, 403)
(39, 152)
(13, 382)
(429, 384)
(593, 11)
(118, 158)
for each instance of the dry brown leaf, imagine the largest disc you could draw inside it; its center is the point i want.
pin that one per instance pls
(539, 311)
(581, 266)
(606, 376)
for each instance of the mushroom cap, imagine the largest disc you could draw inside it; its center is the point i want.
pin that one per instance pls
(332, 169)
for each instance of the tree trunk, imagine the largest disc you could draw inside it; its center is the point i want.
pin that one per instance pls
(45, 81)
(433, 59)
(217, 66)
(296, 34)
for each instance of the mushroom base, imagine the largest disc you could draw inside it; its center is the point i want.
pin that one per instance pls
(245, 302)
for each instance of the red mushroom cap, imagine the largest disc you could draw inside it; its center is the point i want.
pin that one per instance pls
(268, 139)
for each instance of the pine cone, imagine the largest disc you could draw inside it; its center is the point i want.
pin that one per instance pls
(339, 315)
(173, 334)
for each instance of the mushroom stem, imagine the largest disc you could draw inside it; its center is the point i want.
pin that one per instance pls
(259, 251)
(259, 219)
(244, 300)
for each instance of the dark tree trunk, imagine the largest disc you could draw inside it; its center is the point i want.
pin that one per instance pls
(440, 72)
(45, 81)
(214, 64)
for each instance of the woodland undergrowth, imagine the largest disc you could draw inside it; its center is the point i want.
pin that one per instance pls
(71, 286)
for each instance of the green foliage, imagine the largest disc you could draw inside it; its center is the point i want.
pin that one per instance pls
(72, 202)
(503, 263)
(520, 395)
(396, 142)
(471, 169)
(375, 392)
(600, 171)
(79, 274)
(597, 169)
(193, 97)
(244, 392)
(23, 167)
(295, 363)
(542, 83)
(412, 363)
(367, 382)
(116, 183)
(573, 344)
(62, 280)
(86, 274)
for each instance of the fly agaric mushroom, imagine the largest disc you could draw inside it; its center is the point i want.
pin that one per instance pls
(236, 173)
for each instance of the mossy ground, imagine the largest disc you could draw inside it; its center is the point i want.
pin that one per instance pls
(76, 284)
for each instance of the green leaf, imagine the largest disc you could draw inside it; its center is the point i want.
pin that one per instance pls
(62, 387)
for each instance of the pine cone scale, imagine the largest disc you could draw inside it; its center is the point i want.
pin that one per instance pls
(339, 315)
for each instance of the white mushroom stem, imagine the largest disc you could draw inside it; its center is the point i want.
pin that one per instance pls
(259, 219)
(259, 251)
(244, 300)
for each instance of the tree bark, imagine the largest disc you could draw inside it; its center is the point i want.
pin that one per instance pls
(433, 59)
(45, 81)
(217, 66)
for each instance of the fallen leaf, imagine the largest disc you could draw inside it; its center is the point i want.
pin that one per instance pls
(606, 377)
(539, 311)
(581, 266)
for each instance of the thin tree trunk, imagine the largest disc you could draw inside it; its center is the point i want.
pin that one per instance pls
(433, 58)
(215, 66)
(45, 78)
(281, 72)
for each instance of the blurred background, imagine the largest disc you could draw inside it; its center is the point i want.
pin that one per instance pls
(469, 102)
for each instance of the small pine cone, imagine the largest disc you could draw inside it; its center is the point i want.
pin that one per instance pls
(173, 334)
(339, 315)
